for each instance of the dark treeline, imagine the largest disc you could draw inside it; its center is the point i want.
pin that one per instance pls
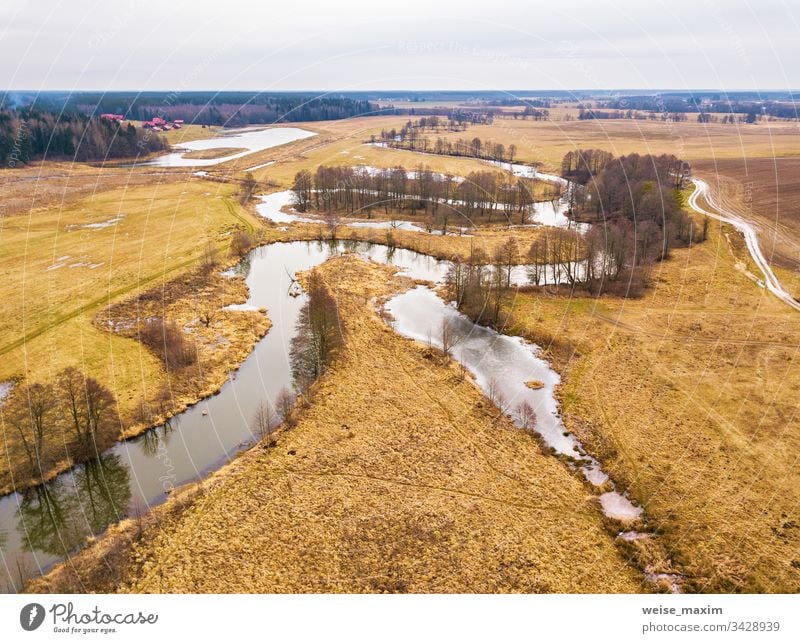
(731, 110)
(287, 110)
(517, 102)
(415, 136)
(27, 135)
(702, 117)
(528, 113)
(585, 114)
(481, 198)
(230, 109)
(318, 333)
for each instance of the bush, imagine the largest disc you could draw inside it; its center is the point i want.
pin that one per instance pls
(169, 342)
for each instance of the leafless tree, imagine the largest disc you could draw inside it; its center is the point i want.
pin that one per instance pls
(248, 188)
(89, 406)
(31, 410)
(209, 258)
(526, 417)
(284, 404)
(264, 419)
(448, 336)
(496, 396)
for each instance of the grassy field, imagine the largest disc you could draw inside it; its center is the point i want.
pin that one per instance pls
(689, 397)
(340, 143)
(403, 483)
(546, 142)
(62, 265)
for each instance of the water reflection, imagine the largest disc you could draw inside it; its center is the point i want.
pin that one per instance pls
(156, 439)
(57, 517)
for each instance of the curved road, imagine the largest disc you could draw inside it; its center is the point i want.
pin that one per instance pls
(749, 231)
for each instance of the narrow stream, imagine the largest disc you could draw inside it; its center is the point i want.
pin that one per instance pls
(46, 524)
(502, 366)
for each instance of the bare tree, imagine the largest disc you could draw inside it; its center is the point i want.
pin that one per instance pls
(169, 342)
(209, 258)
(526, 417)
(207, 316)
(496, 396)
(89, 406)
(32, 412)
(264, 419)
(248, 188)
(285, 406)
(241, 242)
(448, 336)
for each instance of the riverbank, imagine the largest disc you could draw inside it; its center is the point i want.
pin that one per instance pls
(375, 489)
(687, 396)
(222, 338)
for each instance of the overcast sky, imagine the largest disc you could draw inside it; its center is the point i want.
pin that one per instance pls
(179, 45)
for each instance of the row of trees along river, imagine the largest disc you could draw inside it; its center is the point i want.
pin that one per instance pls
(418, 136)
(481, 197)
(634, 204)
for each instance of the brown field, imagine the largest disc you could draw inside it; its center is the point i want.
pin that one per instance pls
(404, 483)
(546, 142)
(689, 398)
(688, 395)
(46, 187)
(766, 190)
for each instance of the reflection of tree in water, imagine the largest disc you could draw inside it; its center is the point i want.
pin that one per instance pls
(243, 267)
(152, 439)
(57, 517)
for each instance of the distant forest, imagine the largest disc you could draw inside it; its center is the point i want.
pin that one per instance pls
(30, 135)
(228, 109)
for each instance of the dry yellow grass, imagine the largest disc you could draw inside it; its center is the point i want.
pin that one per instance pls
(221, 346)
(486, 240)
(56, 268)
(689, 397)
(215, 153)
(403, 482)
(58, 273)
(46, 186)
(340, 143)
(546, 142)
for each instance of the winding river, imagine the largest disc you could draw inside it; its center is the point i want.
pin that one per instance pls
(46, 524)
